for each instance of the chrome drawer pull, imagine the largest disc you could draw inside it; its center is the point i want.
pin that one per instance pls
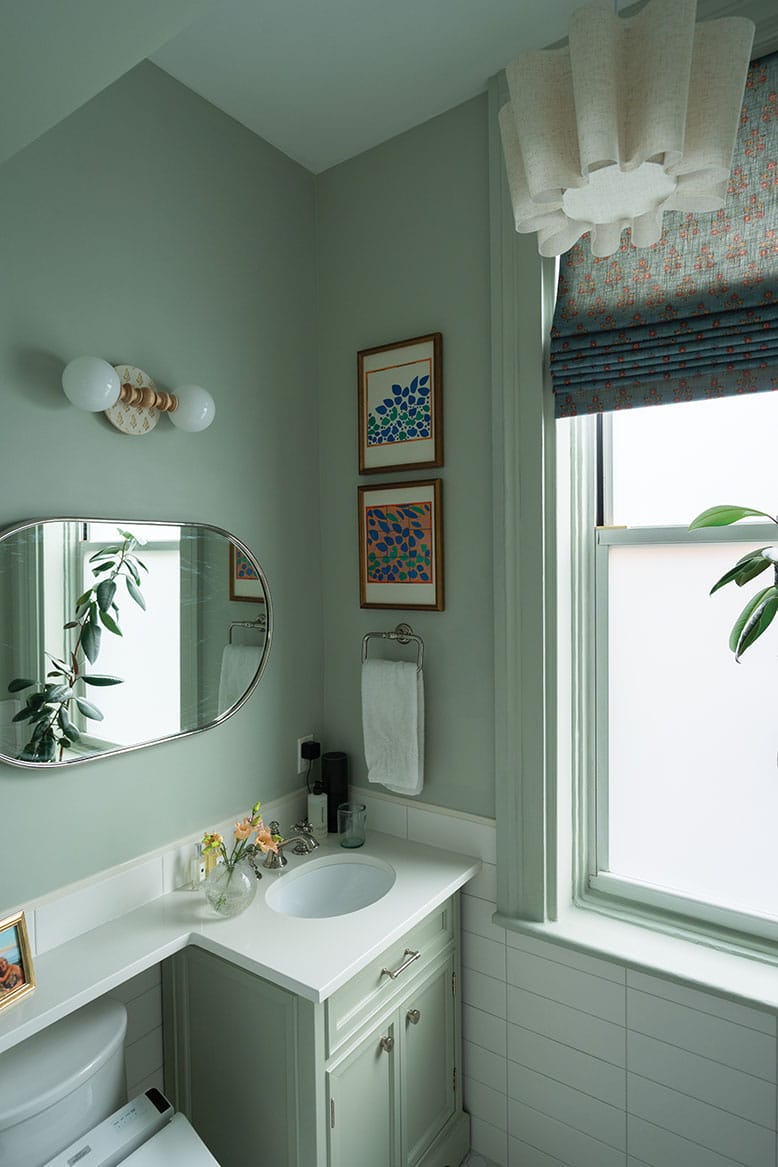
(414, 1016)
(387, 1044)
(392, 973)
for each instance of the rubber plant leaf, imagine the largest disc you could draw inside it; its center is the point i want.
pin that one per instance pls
(745, 569)
(751, 622)
(88, 709)
(722, 516)
(137, 597)
(110, 623)
(90, 641)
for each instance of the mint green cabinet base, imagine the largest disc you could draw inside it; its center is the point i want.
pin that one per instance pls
(260, 1075)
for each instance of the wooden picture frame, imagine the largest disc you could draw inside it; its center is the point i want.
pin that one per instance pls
(17, 977)
(400, 389)
(401, 545)
(245, 584)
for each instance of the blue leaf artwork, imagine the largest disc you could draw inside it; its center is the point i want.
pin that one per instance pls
(399, 543)
(405, 416)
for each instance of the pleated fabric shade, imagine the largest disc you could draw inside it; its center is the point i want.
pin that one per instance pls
(632, 118)
(695, 315)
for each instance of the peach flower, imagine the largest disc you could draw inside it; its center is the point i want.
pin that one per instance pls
(265, 841)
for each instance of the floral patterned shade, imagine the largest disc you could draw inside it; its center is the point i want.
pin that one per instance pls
(695, 315)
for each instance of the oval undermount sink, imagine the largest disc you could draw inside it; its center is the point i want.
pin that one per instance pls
(330, 887)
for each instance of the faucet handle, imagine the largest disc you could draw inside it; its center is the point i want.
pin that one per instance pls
(274, 828)
(304, 826)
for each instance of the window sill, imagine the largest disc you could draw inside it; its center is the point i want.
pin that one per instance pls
(748, 977)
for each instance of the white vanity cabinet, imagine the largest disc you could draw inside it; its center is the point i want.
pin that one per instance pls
(368, 1078)
(395, 1089)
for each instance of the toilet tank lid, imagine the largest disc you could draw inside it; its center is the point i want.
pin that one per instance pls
(53, 1063)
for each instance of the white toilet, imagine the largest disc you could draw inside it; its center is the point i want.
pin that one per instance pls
(63, 1102)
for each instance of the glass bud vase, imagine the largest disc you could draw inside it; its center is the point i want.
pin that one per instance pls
(230, 890)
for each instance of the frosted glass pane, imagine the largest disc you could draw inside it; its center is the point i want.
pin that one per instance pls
(671, 463)
(149, 647)
(693, 735)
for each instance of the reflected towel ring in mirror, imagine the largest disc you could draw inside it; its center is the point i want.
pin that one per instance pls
(130, 399)
(113, 635)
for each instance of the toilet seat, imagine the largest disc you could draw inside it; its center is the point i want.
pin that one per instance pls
(145, 1132)
(176, 1145)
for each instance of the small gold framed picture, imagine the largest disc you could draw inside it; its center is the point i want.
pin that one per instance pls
(16, 972)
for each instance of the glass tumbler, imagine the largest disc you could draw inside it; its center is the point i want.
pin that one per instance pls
(352, 817)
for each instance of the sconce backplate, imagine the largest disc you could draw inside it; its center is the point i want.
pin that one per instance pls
(133, 419)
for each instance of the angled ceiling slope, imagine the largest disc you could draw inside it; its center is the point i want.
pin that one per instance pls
(55, 56)
(324, 82)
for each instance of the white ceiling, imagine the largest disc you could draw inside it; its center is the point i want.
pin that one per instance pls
(324, 81)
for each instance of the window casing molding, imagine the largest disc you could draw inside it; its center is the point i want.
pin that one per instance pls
(523, 447)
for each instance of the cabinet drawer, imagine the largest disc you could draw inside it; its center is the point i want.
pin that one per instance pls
(372, 989)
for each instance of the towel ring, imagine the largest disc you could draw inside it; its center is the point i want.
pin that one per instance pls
(258, 625)
(403, 634)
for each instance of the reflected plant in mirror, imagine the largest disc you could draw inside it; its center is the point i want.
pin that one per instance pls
(182, 657)
(48, 709)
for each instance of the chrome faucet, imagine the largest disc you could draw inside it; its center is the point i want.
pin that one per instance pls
(305, 842)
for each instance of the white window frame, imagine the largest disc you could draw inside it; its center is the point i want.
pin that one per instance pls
(594, 885)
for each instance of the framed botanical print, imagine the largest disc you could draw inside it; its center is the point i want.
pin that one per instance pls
(400, 405)
(245, 584)
(401, 545)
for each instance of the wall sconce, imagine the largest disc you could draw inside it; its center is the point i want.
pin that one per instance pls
(130, 399)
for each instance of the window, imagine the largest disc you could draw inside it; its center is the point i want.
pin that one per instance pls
(676, 761)
(147, 654)
(561, 838)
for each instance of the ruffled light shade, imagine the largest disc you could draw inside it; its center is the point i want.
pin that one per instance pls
(631, 119)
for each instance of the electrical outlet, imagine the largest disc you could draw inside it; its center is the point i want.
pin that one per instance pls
(302, 763)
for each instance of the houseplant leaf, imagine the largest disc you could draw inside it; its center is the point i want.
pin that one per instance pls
(722, 516)
(753, 620)
(88, 709)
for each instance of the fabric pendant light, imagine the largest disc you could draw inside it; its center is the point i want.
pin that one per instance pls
(632, 118)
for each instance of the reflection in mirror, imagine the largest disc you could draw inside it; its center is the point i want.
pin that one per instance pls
(117, 635)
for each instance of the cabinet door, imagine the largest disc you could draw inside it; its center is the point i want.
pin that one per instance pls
(428, 1043)
(362, 1112)
(243, 1099)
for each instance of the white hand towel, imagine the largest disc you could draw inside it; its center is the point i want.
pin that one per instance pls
(393, 724)
(239, 666)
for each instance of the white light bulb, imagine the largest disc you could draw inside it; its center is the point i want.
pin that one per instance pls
(196, 408)
(91, 384)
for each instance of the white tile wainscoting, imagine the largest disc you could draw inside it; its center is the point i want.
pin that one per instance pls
(569, 1060)
(143, 1057)
(575, 1061)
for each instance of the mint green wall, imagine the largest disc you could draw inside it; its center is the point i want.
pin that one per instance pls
(150, 228)
(403, 250)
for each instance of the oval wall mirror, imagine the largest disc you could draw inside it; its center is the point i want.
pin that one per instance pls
(116, 635)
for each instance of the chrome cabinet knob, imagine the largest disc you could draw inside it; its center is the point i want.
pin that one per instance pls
(387, 1044)
(414, 1016)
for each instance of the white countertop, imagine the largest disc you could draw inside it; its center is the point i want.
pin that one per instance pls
(311, 957)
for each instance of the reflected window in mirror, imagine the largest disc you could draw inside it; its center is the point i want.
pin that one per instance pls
(158, 658)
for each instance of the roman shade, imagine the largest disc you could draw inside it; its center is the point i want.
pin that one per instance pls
(695, 315)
